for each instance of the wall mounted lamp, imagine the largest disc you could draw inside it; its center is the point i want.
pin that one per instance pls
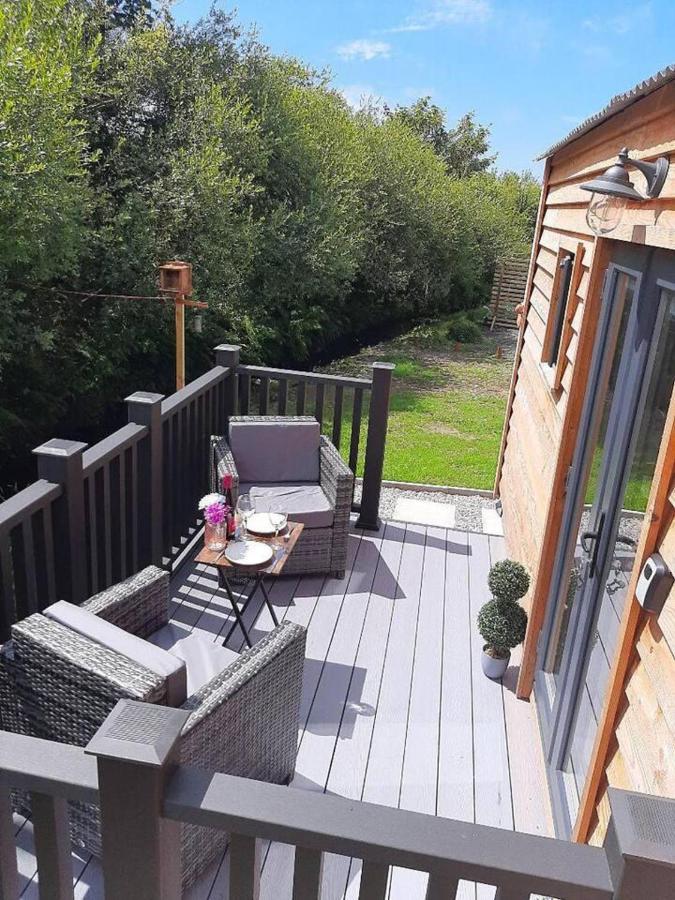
(613, 189)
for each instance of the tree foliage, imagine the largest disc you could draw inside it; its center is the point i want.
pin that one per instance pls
(464, 148)
(126, 139)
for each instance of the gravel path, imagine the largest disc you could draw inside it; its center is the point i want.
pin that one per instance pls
(467, 507)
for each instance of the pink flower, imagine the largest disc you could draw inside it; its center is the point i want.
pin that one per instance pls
(226, 482)
(215, 513)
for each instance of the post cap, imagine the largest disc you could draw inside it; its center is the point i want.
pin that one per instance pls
(228, 347)
(60, 447)
(384, 365)
(144, 397)
(644, 825)
(142, 733)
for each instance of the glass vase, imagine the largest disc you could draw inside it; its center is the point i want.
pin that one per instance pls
(215, 536)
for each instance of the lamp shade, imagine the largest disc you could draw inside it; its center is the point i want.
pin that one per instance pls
(614, 182)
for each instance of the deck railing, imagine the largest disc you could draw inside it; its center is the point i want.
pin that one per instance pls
(130, 771)
(98, 514)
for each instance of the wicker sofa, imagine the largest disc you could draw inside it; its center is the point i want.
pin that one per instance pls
(59, 684)
(285, 459)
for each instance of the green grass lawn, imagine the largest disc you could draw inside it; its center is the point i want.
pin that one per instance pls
(447, 405)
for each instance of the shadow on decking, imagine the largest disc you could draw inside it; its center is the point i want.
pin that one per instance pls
(340, 719)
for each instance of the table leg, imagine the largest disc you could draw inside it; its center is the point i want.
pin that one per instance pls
(237, 614)
(267, 600)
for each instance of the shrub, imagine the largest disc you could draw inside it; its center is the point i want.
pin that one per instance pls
(502, 626)
(508, 580)
(478, 314)
(462, 329)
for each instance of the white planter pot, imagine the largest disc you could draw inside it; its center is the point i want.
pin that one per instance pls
(494, 668)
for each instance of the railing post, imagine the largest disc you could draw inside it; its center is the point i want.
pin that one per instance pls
(228, 355)
(136, 750)
(145, 408)
(640, 845)
(60, 462)
(378, 418)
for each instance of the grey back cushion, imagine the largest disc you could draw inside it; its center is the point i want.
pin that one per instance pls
(157, 660)
(278, 450)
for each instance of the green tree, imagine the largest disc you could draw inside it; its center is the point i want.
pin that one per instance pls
(46, 73)
(306, 222)
(464, 148)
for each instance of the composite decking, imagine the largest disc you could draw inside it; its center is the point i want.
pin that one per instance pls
(395, 707)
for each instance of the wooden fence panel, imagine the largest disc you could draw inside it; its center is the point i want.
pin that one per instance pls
(508, 290)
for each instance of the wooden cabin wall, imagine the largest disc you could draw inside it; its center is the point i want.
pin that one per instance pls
(537, 448)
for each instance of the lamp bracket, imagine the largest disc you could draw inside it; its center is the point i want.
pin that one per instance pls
(655, 173)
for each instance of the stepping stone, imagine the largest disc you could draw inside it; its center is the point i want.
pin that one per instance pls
(492, 522)
(425, 512)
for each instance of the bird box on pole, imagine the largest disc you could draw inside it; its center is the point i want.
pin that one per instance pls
(175, 277)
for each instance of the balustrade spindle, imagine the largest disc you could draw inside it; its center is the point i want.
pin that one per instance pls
(337, 415)
(300, 398)
(318, 403)
(282, 396)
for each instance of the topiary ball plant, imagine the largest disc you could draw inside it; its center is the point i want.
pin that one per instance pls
(502, 625)
(508, 580)
(501, 621)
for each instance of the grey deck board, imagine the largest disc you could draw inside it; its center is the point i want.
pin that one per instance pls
(395, 707)
(350, 759)
(455, 784)
(318, 739)
(382, 782)
(419, 794)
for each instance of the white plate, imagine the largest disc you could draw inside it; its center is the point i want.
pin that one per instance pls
(265, 523)
(248, 553)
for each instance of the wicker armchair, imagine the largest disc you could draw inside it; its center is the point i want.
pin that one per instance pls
(320, 549)
(56, 683)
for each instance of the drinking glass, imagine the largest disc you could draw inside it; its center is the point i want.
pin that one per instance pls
(244, 509)
(278, 518)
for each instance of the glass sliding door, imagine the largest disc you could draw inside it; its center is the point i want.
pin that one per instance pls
(629, 388)
(621, 298)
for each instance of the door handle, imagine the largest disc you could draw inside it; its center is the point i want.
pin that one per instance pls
(592, 551)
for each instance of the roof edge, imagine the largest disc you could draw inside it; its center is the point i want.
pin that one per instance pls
(616, 105)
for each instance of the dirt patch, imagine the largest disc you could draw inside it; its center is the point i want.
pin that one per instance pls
(441, 428)
(425, 362)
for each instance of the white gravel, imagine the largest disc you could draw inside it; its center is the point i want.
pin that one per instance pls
(467, 506)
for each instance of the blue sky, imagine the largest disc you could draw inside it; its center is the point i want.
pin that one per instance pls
(533, 70)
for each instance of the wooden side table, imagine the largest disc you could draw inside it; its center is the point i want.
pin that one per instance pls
(286, 539)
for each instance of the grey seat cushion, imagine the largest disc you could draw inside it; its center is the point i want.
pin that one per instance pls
(106, 634)
(203, 658)
(276, 451)
(304, 503)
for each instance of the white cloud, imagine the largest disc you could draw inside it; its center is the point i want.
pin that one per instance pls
(531, 32)
(358, 95)
(623, 22)
(364, 49)
(599, 54)
(448, 12)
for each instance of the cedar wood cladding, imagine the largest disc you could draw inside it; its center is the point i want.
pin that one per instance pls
(546, 404)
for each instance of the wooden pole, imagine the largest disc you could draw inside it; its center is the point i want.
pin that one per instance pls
(180, 341)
